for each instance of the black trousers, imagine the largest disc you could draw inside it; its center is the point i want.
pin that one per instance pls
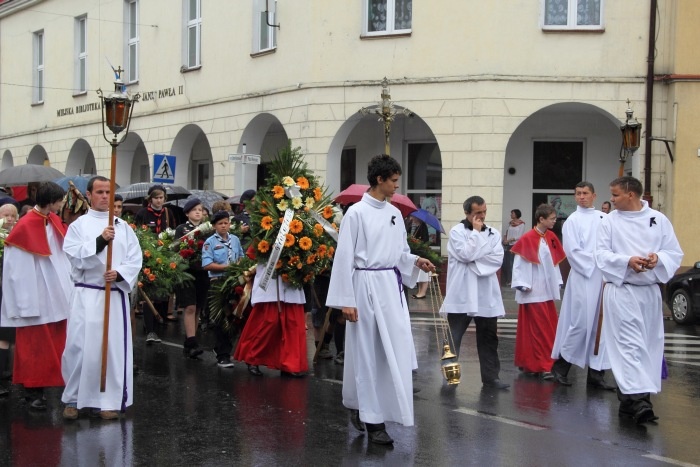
(486, 341)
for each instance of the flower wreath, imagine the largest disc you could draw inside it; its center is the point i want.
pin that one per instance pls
(308, 246)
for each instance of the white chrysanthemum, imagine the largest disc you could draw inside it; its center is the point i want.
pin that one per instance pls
(288, 181)
(297, 202)
(282, 205)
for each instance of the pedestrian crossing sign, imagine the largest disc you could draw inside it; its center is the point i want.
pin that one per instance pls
(163, 168)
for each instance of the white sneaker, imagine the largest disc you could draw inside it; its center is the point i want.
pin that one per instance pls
(152, 337)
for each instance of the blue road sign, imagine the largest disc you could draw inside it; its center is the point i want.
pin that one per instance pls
(163, 168)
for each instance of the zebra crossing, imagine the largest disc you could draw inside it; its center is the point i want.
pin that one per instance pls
(678, 348)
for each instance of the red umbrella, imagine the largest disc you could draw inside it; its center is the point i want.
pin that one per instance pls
(353, 194)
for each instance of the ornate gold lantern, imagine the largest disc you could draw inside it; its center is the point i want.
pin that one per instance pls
(451, 369)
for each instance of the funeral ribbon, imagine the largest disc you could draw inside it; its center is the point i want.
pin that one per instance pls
(247, 281)
(277, 249)
(325, 224)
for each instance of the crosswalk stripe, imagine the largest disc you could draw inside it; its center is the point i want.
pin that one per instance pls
(678, 348)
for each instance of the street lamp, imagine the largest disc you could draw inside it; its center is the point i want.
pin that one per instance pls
(631, 136)
(116, 115)
(386, 112)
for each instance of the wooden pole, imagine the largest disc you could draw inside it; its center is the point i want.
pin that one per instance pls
(108, 285)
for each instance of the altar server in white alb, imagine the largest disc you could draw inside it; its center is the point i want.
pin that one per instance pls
(86, 248)
(475, 255)
(637, 250)
(578, 318)
(370, 264)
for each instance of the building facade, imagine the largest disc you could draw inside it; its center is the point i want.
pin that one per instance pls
(514, 100)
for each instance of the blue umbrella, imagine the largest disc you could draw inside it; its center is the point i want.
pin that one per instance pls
(429, 219)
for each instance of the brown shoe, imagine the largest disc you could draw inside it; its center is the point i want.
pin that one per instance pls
(70, 413)
(108, 415)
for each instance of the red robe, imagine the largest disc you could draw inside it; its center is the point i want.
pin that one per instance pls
(537, 322)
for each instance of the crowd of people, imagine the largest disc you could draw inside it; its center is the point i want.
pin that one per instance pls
(78, 271)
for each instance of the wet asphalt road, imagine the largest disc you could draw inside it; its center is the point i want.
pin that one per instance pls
(193, 413)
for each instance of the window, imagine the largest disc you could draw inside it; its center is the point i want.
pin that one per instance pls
(80, 54)
(193, 33)
(264, 36)
(572, 14)
(132, 41)
(384, 17)
(38, 71)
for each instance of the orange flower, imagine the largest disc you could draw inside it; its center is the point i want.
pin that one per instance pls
(327, 212)
(303, 183)
(305, 243)
(318, 230)
(308, 277)
(160, 242)
(173, 266)
(263, 211)
(296, 226)
(331, 251)
(140, 284)
(266, 223)
(144, 227)
(281, 219)
(147, 271)
(278, 264)
(318, 194)
(289, 241)
(151, 277)
(133, 226)
(321, 251)
(311, 259)
(159, 260)
(293, 260)
(147, 253)
(277, 192)
(263, 246)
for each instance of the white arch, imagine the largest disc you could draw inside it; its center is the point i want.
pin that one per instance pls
(193, 155)
(81, 159)
(132, 161)
(263, 135)
(7, 160)
(38, 155)
(597, 128)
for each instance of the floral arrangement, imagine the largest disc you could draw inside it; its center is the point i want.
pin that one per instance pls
(229, 298)
(308, 246)
(190, 245)
(162, 269)
(423, 250)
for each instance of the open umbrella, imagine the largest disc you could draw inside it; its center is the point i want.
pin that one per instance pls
(207, 197)
(79, 181)
(28, 173)
(136, 192)
(354, 192)
(429, 219)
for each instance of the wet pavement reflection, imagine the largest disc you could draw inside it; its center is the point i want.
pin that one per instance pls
(191, 412)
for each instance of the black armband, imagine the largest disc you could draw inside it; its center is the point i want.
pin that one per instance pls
(101, 243)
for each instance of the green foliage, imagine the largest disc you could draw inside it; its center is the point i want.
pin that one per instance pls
(423, 250)
(225, 293)
(163, 269)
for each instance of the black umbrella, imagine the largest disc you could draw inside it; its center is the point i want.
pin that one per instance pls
(28, 173)
(136, 192)
(207, 197)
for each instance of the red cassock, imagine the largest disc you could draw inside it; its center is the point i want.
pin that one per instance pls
(537, 322)
(275, 339)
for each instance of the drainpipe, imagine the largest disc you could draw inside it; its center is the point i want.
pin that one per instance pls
(650, 102)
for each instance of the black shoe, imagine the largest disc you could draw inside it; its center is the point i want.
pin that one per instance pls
(38, 404)
(600, 384)
(192, 352)
(4, 392)
(644, 414)
(547, 375)
(254, 370)
(559, 378)
(355, 420)
(380, 437)
(496, 384)
(292, 374)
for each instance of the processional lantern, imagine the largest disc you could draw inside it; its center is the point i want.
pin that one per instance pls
(631, 137)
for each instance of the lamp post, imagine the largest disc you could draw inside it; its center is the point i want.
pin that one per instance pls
(116, 115)
(386, 111)
(631, 135)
